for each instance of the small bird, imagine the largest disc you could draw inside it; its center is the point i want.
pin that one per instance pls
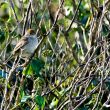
(26, 45)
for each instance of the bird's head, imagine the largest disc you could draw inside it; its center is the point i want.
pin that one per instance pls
(30, 32)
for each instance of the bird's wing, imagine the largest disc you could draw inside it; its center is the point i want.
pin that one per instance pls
(22, 42)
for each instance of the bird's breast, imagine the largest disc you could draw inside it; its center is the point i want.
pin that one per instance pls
(31, 45)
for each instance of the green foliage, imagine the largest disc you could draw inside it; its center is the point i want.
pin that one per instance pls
(34, 67)
(53, 103)
(37, 65)
(70, 68)
(2, 36)
(4, 11)
(40, 101)
(25, 98)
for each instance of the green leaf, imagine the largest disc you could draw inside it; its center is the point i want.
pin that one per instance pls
(4, 11)
(40, 101)
(25, 98)
(2, 36)
(105, 30)
(4, 5)
(54, 103)
(22, 94)
(34, 67)
(28, 70)
(43, 29)
(95, 82)
(37, 65)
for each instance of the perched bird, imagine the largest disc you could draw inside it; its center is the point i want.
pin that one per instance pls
(26, 45)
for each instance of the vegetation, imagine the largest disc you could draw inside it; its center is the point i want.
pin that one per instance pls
(69, 69)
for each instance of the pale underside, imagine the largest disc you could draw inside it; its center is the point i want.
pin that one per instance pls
(26, 46)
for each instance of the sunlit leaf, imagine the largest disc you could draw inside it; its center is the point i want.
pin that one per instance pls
(25, 98)
(40, 101)
(53, 103)
(28, 70)
(4, 11)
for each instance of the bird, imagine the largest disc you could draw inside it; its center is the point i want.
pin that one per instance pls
(26, 46)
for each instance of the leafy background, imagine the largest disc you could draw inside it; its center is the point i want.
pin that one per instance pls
(70, 67)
